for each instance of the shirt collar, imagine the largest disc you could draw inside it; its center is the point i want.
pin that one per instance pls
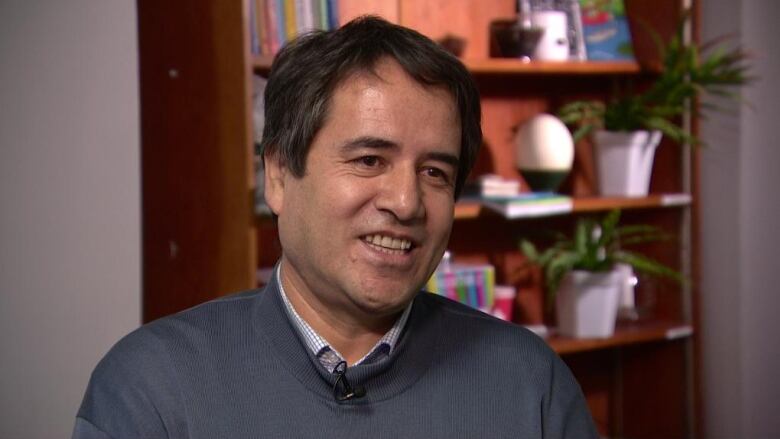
(321, 348)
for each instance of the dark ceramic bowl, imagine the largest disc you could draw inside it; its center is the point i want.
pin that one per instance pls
(509, 39)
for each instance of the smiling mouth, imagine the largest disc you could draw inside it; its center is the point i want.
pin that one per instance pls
(387, 244)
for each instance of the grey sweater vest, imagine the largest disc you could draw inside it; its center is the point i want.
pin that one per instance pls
(236, 368)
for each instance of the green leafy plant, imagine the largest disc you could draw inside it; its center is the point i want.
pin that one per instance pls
(596, 246)
(688, 72)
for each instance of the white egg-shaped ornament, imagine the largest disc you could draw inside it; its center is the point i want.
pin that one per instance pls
(544, 152)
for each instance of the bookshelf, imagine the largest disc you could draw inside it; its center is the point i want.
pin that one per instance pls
(494, 66)
(474, 209)
(625, 335)
(201, 237)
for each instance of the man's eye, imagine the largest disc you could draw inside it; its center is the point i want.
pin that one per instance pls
(369, 161)
(437, 174)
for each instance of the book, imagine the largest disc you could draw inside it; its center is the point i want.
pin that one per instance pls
(577, 50)
(527, 205)
(254, 30)
(261, 27)
(304, 13)
(290, 20)
(491, 185)
(333, 14)
(605, 30)
(470, 284)
(276, 17)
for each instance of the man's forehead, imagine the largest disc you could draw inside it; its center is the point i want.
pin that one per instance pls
(387, 70)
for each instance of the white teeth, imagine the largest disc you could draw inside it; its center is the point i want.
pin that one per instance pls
(388, 243)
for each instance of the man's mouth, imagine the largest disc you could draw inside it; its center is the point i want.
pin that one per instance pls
(388, 244)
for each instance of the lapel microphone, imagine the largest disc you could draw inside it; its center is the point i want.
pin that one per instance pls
(342, 390)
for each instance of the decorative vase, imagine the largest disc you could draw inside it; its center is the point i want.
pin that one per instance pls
(624, 161)
(544, 152)
(587, 303)
(554, 44)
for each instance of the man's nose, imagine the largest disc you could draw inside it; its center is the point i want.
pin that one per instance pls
(401, 195)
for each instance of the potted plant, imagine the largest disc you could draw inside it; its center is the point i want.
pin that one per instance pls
(586, 274)
(627, 129)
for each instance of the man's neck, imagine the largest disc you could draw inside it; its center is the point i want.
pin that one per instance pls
(352, 337)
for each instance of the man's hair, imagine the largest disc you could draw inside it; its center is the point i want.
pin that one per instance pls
(307, 71)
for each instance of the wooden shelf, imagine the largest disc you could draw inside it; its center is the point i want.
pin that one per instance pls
(473, 209)
(501, 66)
(625, 335)
(591, 204)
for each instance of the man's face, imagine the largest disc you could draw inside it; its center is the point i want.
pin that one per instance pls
(367, 224)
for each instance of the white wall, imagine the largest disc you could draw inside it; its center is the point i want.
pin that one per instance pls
(741, 237)
(69, 203)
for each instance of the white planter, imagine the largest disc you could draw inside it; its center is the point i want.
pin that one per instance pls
(624, 161)
(587, 303)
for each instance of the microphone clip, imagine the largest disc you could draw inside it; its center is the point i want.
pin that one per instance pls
(342, 389)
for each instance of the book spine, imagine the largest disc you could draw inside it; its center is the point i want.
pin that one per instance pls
(490, 287)
(333, 14)
(460, 290)
(479, 281)
(581, 53)
(316, 14)
(305, 14)
(290, 25)
(431, 285)
(254, 40)
(261, 20)
(323, 14)
(276, 19)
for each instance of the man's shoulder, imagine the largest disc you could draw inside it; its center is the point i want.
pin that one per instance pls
(464, 322)
(230, 307)
(213, 322)
(201, 324)
(144, 369)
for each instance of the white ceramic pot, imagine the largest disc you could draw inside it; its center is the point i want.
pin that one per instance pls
(554, 44)
(624, 161)
(587, 303)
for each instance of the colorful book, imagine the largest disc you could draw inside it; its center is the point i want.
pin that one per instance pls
(527, 205)
(261, 26)
(276, 12)
(304, 14)
(254, 30)
(290, 26)
(333, 14)
(323, 15)
(605, 30)
(471, 285)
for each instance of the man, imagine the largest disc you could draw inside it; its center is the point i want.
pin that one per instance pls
(370, 133)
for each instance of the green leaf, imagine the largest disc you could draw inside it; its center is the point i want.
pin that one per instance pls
(529, 250)
(647, 265)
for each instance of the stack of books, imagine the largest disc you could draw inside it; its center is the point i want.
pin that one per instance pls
(472, 285)
(275, 22)
(529, 204)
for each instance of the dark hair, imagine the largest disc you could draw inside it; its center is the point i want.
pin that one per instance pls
(308, 69)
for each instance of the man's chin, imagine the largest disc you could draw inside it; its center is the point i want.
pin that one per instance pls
(388, 304)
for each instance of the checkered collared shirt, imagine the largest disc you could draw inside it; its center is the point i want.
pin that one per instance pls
(330, 357)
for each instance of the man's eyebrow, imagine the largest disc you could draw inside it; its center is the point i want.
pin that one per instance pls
(368, 142)
(444, 157)
(371, 142)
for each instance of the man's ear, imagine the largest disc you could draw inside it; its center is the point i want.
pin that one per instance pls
(275, 173)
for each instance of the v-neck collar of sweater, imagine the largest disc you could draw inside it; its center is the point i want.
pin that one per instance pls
(409, 361)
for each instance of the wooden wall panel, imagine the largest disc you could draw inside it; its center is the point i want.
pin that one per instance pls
(349, 9)
(466, 19)
(197, 232)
